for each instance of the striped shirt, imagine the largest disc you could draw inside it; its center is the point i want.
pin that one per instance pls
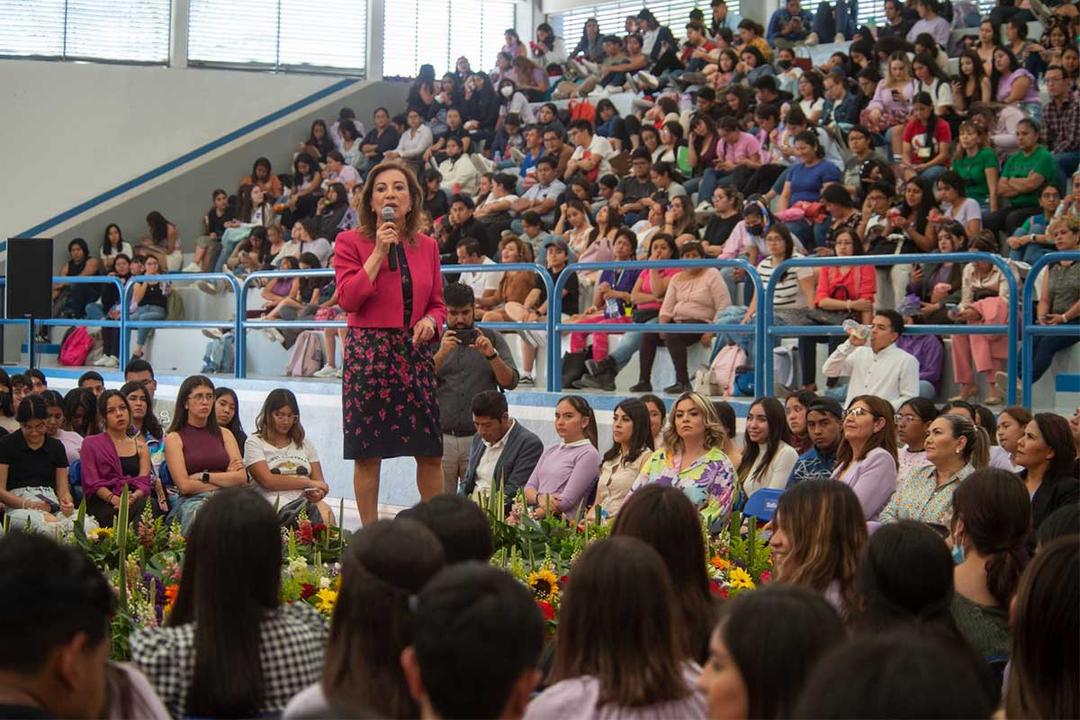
(788, 293)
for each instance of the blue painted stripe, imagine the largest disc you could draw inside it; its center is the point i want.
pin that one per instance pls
(187, 157)
(43, 348)
(1067, 382)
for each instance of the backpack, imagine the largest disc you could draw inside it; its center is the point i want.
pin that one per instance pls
(722, 370)
(784, 367)
(75, 346)
(306, 357)
(582, 110)
(219, 355)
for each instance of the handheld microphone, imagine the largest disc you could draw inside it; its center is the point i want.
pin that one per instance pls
(388, 217)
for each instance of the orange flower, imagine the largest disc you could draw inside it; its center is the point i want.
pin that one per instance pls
(719, 563)
(171, 592)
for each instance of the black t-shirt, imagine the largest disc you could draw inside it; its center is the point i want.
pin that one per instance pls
(718, 229)
(154, 295)
(570, 299)
(31, 468)
(437, 205)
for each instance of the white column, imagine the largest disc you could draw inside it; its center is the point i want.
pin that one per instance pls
(376, 17)
(178, 34)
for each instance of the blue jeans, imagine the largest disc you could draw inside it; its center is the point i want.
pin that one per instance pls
(733, 285)
(1029, 253)
(628, 345)
(146, 312)
(95, 311)
(929, 176)
(1046, 346)
(1067, 163)
(710, 181)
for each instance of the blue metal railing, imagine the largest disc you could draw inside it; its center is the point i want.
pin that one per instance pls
(243, 324)
(1030, 325)
(765, 359)
(557, 327)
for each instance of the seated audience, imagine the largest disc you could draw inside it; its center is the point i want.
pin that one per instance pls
(71, 300)
(34, 473)
(1022, 177)
(80, 409)
(226, 412)
(1012, 422)
(738, 679)
(477, 638)
(912, 420)
(768, 457)
(823, 422)
(631, 448)
(459, 524)
(283, 462)
(818, 534)
(504, 453)
(1059, 297)
(866, 460)
(955, 448)
(991, 519)
(384, 566)
(201, 457)
(566, 473)
(1047, 455)
(113, 461)
(234, 552)
(617, 651)
(54, 426)
(875, 365)
(690, 457)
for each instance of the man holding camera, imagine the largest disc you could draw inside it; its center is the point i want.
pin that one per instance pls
(469, 361)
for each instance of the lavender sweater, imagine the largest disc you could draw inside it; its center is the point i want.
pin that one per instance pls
(568, 471)
(873, 479)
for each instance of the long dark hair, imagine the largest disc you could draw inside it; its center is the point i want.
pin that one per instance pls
(159, 227)
(180, 418)
(81, 398)
(778, 433)
(641, 439)
(7, 399)
(751, 631)
(664, 517)
(108, 248)
(150, 423)
(234, 553)
(384, 565)
(1058, 437)
(924, 98)
(995, 509)
(234, 426)
(582, 406)
(627, 641)
(1014, 64)
(277, 399)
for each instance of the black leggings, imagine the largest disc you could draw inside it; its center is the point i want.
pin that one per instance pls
(677, 344)
(1008, 219)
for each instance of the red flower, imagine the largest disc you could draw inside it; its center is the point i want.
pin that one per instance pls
(724, 593)
(563, 581)
(766, 576)
(305, 533)
(306, 591)
(714, 587)
(547, 609)
(318, 530)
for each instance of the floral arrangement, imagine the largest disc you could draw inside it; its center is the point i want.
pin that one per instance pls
(143, 563)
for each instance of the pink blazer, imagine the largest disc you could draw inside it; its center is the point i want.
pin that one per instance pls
(380, 304)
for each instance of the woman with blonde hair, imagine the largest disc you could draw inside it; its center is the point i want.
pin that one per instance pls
(818, 534)
(691, 458)
(891, 104)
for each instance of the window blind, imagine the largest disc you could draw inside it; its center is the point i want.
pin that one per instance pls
(123, 30)
(611, 16)
(438, 32)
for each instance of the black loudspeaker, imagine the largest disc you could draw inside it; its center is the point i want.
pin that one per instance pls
(28, 291)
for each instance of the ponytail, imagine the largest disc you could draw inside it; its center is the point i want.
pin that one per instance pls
(1003, 571)
(979, 455)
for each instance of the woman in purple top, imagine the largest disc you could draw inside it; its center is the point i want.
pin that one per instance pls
(866, 460)
(564, 475)
(201, 457)
(611, 299)
(1013, 85)
(112, 461)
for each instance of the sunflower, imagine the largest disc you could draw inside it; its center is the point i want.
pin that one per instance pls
(544, 584)
(325, 600)
(740, 579)
(100, 534)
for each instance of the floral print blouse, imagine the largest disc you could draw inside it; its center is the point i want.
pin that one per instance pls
(709, 477)
(919, 498)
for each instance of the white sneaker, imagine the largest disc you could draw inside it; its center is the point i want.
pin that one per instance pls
(213, 333)
(839, 38)
(208, 287)
(103, 361)
(811, 39)
(325, 372)
(338, 372)
(193, 267)
(703, 207)
(648, 80)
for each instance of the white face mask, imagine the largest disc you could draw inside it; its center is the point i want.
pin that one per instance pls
(507, 90)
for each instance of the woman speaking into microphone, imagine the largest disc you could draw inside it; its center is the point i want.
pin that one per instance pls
(389, 283)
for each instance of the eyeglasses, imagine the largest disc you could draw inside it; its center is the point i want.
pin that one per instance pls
(857, 412)
(905, 419)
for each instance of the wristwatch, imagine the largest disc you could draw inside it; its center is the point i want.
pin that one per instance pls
(491, 357)
(206, 477)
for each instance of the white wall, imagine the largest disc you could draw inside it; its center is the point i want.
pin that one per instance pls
(75, 130)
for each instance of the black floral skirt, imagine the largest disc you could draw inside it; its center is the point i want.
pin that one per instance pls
(388, 396)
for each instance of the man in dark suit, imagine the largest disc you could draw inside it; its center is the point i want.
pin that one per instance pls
(503, 450)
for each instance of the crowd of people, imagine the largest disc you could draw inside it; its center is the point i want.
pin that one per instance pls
(734, 147)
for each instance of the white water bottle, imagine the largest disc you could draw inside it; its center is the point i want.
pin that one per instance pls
(857, 329)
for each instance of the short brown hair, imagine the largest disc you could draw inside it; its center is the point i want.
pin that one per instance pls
(368, 221)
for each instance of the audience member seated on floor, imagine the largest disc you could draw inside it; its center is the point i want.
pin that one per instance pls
(112, 462)
(504, 453)
(80, 410)
(690, 457)
(1012, 422)
(56, 422)
(460, 525)
(1059, 297)
(226, 412)
(617, 649)
(385, 565)
(202, 457)
(567, 471)
(875, 366)
(823, 422)
(34, 474)
(866, 460)
(284, 462)
(1049, 465)
(71, 300)
(665, 519)
(56, 611)
(631, 448)
(762, 688)
(913, 418)
(818, 534)
(468, 361)
(955, 448)
(234, 552)
(768, 457)
(991, 521)
(477, 638)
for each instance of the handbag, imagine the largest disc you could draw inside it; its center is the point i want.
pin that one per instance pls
(289, 513)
